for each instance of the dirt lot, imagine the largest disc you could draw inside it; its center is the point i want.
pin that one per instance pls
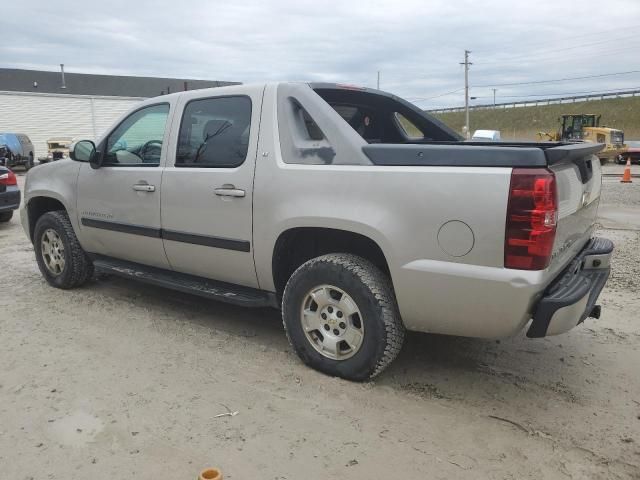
(121, 380)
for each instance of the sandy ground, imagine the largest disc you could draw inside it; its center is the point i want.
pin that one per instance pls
(612, 168)
(121, 380)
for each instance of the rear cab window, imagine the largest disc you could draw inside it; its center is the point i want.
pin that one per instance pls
(214, 132)
(382, 118)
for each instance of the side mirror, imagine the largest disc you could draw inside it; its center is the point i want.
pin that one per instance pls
(85, 151)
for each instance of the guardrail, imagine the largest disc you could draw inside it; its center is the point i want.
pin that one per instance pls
(543, 101)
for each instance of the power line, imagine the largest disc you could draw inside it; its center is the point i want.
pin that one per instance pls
(572, 56)
(573, 37)
(582, 45)
(557, 80)
(552, 54)
(560, 94)
(538, 82)
(563, 58)
(422, 99)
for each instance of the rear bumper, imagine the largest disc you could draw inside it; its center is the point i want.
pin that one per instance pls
(572, 296)
(9, 199)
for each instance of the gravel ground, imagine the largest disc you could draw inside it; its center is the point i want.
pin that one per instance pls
(123, 380)
(616, 193)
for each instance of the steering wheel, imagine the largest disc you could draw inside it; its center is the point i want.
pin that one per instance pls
(148, 146)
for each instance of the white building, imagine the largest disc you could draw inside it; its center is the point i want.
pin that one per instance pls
(55, 104)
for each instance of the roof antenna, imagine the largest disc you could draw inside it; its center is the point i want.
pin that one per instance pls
(64, 85)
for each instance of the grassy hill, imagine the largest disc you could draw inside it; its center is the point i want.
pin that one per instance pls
(524, 122)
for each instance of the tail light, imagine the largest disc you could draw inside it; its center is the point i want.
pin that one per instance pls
(8, 178)
(532, 215)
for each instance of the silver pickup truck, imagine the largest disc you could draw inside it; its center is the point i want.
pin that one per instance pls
(350, 209)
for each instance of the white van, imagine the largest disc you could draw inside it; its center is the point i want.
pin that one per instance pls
(486, 136)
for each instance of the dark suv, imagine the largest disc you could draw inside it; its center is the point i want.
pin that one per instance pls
(16, 149)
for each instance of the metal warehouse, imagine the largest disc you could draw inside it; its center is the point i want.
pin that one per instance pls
(44, 104)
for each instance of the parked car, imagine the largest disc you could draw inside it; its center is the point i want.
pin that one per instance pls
(315, 199)
(57, 149)
(486, 136)
(16, 149)
(632, 152)
(9, 194)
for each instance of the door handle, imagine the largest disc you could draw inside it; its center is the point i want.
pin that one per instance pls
(144, 187)
(229, 192)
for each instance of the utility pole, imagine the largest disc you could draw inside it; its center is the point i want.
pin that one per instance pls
(494, 97)
(466, 92)
(378, 79)
(63, 85)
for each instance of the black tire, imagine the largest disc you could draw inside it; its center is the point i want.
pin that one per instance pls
(78, 268)
(6, 216)
(372, 292)
(29, 165)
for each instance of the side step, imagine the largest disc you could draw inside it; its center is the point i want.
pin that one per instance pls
(203, 287)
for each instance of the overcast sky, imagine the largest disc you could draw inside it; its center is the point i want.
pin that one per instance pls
(416, 45)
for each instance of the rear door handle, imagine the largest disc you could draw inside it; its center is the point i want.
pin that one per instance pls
(229, 192)
(144, 187)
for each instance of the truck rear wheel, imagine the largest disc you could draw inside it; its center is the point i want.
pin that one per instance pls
(60, 257)
(6, 216)
(341, 317)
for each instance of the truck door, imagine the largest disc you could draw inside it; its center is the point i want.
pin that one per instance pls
(119, 203)
(207, 186)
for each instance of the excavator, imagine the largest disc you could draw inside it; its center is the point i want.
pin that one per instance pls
(585, 127)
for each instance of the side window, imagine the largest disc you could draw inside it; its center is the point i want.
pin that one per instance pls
(214, 132)
(408, 128)
(138, 139)
(312, 129)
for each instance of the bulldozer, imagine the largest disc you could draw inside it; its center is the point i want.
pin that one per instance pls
(585, 127)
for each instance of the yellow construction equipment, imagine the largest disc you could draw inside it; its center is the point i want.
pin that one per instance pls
(585, 127)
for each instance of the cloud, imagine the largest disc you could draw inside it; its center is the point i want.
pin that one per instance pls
(417, 45)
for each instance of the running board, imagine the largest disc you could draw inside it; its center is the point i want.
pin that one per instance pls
(203, 287)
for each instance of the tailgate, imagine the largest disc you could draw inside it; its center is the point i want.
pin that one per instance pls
(579, 178)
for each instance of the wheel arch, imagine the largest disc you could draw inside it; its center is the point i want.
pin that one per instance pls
(297, 245)
(38, 206)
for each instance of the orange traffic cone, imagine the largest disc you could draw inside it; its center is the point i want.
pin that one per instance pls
(626, 177)
(210, 474)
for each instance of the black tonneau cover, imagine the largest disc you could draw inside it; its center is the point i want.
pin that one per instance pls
(480, 154)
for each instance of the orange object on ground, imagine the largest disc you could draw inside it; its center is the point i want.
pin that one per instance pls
(626, 176)
(210, 474)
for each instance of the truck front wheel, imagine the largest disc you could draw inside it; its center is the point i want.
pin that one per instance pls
(341, 317)
(60, 257)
